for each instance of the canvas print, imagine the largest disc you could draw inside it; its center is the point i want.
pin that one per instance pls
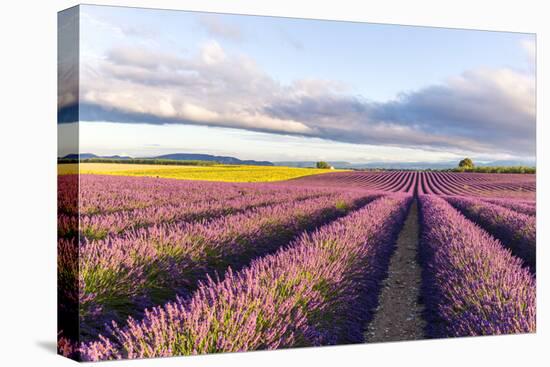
(234, 183)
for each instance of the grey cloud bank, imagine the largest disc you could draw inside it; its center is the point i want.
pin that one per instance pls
(482, 110)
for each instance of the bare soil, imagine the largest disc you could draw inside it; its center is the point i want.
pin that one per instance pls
(399, 313)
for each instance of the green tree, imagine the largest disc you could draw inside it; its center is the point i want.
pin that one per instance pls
(323, 165)
(466, 163)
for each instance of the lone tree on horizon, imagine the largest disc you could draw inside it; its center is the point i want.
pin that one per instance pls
(466, 163)
(323, 164)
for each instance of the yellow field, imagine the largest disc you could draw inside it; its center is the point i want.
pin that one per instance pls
(225, 173)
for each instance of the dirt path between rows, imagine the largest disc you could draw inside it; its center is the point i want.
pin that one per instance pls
(399, 314)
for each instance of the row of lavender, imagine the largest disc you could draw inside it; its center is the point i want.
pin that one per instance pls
(472, 284)
(317, 291)
(517, 231)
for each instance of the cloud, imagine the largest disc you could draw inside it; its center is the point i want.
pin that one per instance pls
(212, 53)
(217, 28)
(483, 110)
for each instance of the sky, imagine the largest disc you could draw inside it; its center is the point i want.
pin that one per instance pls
(156, 81)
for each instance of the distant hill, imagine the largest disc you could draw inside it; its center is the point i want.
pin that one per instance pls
(91, 155)
(82, 156)
(179, 157)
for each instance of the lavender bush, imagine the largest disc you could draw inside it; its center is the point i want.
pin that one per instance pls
(472, 285)
(515, 205)
(515, 230)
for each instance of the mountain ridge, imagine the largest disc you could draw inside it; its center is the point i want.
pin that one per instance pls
(179, 157)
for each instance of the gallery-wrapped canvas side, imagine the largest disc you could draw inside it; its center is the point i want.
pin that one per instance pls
(67, 182)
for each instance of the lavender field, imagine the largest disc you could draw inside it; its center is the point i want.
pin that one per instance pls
(152, 267)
